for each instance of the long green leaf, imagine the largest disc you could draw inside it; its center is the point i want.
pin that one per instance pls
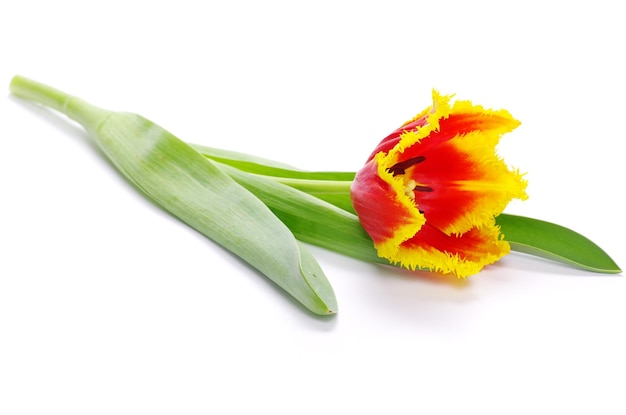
(555, 242)
(197, 191)
(311, 219)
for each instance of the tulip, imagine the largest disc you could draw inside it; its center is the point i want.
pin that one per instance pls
(429, 193)
(430, 196)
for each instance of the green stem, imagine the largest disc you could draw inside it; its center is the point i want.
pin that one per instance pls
(86, 114)
(265, 167)
(316, 186)
(311, 219)
(331, 191)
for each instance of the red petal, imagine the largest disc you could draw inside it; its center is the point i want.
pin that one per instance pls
(383, 213)
(462, 255)
(394, 138)
(470, 183)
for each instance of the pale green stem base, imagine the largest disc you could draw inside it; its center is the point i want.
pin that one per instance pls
(86, 114)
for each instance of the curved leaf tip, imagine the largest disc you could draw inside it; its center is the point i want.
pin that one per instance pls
(555, 242)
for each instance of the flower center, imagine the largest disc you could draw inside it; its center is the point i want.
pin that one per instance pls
(410, 185)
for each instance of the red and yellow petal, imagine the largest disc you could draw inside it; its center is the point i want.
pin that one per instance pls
(386, 213)
(470, 182)
(462, 255)
(420, 125)
(393, 139)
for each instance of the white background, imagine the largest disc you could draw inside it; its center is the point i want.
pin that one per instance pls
(108, 305)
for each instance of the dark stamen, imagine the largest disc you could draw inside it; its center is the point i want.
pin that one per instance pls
(400, 168)
(423, 189)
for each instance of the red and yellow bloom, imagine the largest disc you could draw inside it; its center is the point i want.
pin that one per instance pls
(429, 193)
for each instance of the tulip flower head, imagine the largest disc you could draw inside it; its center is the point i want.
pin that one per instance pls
(429, 193)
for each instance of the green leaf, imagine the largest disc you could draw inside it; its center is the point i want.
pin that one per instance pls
(311, 219)
(555, 242)
(197, 191)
